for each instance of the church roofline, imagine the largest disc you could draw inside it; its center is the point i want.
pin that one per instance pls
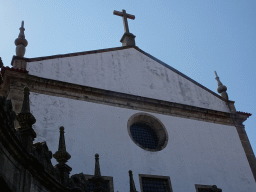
(115, 49)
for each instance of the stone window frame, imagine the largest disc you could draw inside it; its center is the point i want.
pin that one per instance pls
(155, 124)
(108, 178)
(155, 177)
(198, 186)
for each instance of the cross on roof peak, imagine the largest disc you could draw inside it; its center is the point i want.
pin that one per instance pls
(125, 16)
(128, 38)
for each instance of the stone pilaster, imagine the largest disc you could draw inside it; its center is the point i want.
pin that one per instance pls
(19, 63)
(240, 118)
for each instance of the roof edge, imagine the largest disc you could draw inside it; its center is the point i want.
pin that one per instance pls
(181, 74)
(75, 54)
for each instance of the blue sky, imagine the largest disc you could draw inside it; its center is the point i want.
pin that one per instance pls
(195, 37)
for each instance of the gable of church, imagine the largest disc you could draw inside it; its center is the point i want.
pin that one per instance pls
(127, 71)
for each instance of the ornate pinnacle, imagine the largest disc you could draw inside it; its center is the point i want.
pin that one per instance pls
(97, 179)
(21, 42)
(221, 88)
(62, 156)
(132, 185)
(97, 166)
(26, 120)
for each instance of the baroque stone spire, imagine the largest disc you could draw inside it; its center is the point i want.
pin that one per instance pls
(97, 179)
(21, 42)
(221, 88)
(132, 185)
(26, 120)
(62, 156)
(97, 166)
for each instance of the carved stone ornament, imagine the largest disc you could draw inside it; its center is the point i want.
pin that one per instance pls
(26, 120)
(21, 42)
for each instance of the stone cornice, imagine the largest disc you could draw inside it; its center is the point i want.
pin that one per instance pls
(86, 93)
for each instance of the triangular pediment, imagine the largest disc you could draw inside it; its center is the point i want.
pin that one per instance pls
(126, 70)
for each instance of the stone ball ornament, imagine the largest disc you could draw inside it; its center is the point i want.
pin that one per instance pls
(221, 88)
(21, 42)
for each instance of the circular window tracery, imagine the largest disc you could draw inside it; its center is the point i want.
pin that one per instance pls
(147, 132)
(144, 135)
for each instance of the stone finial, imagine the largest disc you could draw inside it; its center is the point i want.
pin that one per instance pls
(21, 42)
(97, 179)
(62, 156)
(221, 88)
(132, 185)
(97, 166)
(26, 120)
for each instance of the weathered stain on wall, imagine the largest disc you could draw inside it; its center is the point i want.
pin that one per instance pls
(127, 71)
(197, 151)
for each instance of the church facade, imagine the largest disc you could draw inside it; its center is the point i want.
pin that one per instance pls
(138, 114)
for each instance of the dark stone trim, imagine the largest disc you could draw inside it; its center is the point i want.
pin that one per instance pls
(3, 69)
(198, 186)
(70, 54)
(155, 177)
(244, 113)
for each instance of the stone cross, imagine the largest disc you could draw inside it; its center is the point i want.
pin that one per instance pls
(125, 16)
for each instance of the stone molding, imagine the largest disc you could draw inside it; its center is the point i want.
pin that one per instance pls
(14, 82)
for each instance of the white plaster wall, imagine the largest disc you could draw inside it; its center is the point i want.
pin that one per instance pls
(127, 71)
(197, 152)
